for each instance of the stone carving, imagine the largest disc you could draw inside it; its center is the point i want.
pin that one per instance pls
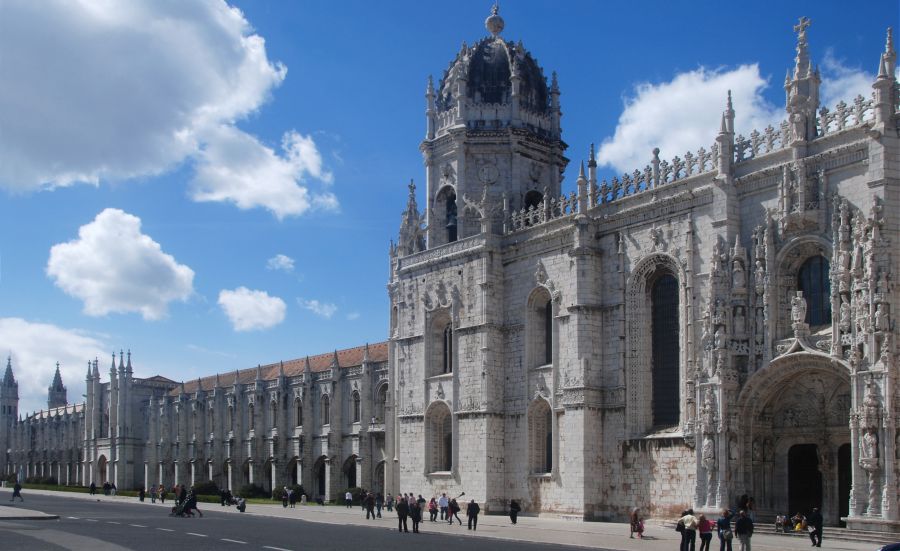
(720, 338)
(882, 320)
(760, 277)
(846, 316)
(440, 391)
(708, 453)
(448, 175)
(543, 280)
(708, 412)
(738, 276)
(798, 308)
(740, 322)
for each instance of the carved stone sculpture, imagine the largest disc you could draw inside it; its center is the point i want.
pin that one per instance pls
(798, 308)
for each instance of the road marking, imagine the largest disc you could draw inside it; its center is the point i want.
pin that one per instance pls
(90, 520)
(233, 541)
(195, 534)
(112, 522)
(74, 518)
(275, 548)
(166, 529)
(137, 525)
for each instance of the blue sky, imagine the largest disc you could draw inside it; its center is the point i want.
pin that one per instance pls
(156, 158)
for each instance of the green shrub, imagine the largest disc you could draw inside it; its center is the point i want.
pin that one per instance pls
(12, 478)
(206, 488)
(252, 490)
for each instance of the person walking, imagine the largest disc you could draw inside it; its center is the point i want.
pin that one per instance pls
(141, 494)
(723, 527)
(472, 511)
(153, 494)
(402, 514)
(17, 492)
(637, 524)
(689, 531)
(415, 513)
(162, 493)
(389, 502)
(433, 509)
(443, 502)
(454, 511)
(379, 503)
(348, 499)
(93, 488)
(284, 497)
(514, 509)
(704, 528)
(814, 523)
(292, 497)
(744, 530)
(370, 506)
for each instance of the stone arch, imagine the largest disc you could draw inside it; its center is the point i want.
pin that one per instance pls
(439, 438)
(102, 469)
(445, 211)
(541, 437)
(349, 472)
(541, 332)
(639, 363)
(381, 399)
(442, 343)
(320, 478)
(801, 399)
(788, 261)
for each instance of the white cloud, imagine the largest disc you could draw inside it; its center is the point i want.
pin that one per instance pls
(352, 316)
(281, 262)
(684, 114)
(113, 267)
(236, 167)
(250, 310)
(97, 91)
(323, 309)
(36, 347)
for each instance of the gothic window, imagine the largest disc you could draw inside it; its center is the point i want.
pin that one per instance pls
(354, 404)
(447, 349)
(274, 415)
(445, 214)
(540, 429)
(664, 332)
(298, 406)
(451, 218)
(252, 417)
(381, 403)
(231, 418)
(813, 280)
(439, 439)
(533, 200)
(540, 321)
(442, 344)
(326, 410)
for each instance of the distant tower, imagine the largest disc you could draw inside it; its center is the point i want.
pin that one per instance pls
(56, 393)
(9, 412)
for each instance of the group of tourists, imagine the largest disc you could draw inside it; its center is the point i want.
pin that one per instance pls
(288, 498)
(689, 525)
(812, 523)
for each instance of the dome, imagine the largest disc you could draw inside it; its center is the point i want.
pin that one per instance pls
(489, 68)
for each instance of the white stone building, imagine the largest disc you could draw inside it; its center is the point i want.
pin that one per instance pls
(706, 327)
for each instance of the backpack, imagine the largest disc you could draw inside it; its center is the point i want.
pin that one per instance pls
(679, 527)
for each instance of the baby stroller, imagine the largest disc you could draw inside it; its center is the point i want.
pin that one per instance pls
(178, 509)
(241, 504)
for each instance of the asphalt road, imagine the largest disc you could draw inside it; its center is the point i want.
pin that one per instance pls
(117, 526)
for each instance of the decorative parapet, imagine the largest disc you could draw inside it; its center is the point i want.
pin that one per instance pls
(845, 116)
(442, 252)
(770, 140)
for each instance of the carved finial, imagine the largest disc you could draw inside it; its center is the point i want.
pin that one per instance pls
(889, 57)
(429, 89)
(217, 383)
(554, 83)
(592, 161)
(281, 369)
(258, 372)
(581, 171)
(729, 106)
(366, 354)
(801, 68)
(494, 23)
(306, 366)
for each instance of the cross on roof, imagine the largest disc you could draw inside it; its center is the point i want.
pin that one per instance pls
(802, 25)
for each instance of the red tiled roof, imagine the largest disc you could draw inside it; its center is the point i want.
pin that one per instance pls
(349, 357)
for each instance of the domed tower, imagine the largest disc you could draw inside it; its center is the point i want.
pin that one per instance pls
(493, 122)
(56, 393)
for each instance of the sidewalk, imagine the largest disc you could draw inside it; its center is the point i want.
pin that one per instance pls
(596, 535)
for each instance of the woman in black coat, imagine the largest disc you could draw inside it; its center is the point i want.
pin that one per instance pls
(514, 509)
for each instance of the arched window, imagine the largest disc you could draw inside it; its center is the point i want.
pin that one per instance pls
(439, 438)
(533, 199)
(451, 218)
(540, 328)
(298, 407)
(326, 410)
(354, 405)
(274, 422)
(813, 280)
(664, 332)
(381, 403)
(540, 429)
(251, 417)
(447, 349)
(548, 332)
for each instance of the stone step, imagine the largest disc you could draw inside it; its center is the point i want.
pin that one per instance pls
(829, 533)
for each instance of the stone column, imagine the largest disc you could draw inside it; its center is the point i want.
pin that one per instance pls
(193, 472)
(328, 467)
(362, 483)
(274, 470)
(228, 475)
(250, 471)
(298, 467)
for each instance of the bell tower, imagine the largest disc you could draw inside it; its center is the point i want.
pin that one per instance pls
(492, 132)
(56, 393)
(9, 411)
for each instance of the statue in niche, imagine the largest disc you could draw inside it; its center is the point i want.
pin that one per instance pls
(757, 450)
(846, 315)
(798, 308)
(844, 260)
(704, 340)
(732, 448)
(882, 320)
(882, 285)
(760, 276)
(760, 322)
(720, 337)
(708, 453)
(721, 313)
(868, 448)
(739, 277)
(740, 321)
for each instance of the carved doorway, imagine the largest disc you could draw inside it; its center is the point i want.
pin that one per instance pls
(845, 482)
(804, 479)
(101, 469)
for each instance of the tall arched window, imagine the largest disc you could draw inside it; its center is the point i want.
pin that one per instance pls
(813, 280)
(548, 332)
(298, 407)
(540, 328)
(274, 422)
(381, 403)
(251, 416)
(439, 438)
(354, 405)
(451, 219)
(540, 437)
(326, 410)
(231, 418)
(447, 349)
(664, 331)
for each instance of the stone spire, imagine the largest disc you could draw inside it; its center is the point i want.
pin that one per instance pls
(96, 375)
(112, 368)
(334, 361)
(307, 368)
(412, 236)
(9, 379)
(217, 384)
(801, 62)
(56, 393)
(494, 23)
(802, 91)
(128, 368)
(88, 376)
(885, 86)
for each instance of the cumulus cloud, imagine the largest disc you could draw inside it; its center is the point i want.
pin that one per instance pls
(114, 268)
(250, 310)
(281, 262)
(684, 113)
(322, 309)
(36, 347)
(118, 90)
(238, 168)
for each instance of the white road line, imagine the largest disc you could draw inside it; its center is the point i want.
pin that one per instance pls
(112, 522)
(137, 525)
(233, 541)
(74, 518)
(166, 529)
(90, 520)
(195, 534)
(275, 548)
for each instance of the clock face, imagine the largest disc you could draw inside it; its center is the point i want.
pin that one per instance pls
(488, 174)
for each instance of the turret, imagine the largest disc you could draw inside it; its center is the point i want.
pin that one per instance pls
(429, 109)
(56, 392)
(802, 91)
(725, 140)
(412, 236)
(885, 84)
(9, 393)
